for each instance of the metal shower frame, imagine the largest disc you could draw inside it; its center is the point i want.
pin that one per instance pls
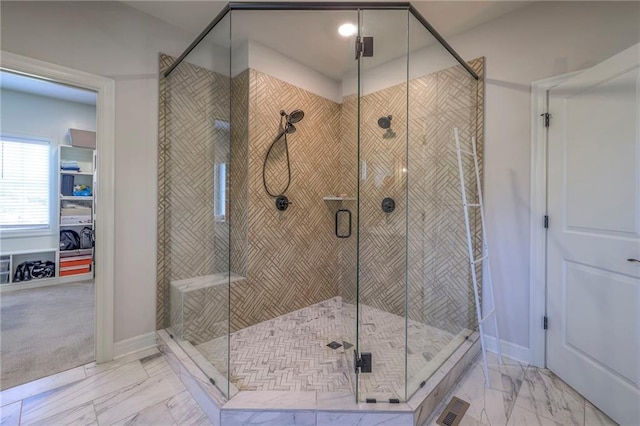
(321, 6)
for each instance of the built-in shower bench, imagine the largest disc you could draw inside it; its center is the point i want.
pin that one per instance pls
(197, 283)
(200, 306)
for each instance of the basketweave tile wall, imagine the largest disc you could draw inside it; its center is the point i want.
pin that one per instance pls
(295, 260)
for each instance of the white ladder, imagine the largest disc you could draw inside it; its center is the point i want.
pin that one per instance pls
(487, 281)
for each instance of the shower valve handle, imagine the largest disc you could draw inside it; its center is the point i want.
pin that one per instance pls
(282, 202)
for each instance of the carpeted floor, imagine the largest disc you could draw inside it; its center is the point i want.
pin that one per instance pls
(44, 331)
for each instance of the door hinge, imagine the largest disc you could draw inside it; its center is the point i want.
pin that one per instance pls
(364, 47)
(547, 118)
(546, 221)
(545, 323)
(363, 364)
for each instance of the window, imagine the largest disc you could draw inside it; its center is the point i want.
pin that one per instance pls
(220, 194)
(25, 189)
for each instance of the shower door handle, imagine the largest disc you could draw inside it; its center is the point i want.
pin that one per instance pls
(338, 219)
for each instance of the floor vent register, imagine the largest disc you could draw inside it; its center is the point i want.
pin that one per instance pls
(453, 412)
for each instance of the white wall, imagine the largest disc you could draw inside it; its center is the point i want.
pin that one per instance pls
(533, 43)
(119, 42)
(277, 65)
(32, 115)
(252, 54)
(421, 62)
(26, 115)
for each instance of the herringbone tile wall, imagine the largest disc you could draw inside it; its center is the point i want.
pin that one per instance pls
(292, 255)
(190, 242)
(439, 290)
(447, 297)
(239, 173)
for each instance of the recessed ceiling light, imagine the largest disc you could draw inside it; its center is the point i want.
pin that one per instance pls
(347, 30)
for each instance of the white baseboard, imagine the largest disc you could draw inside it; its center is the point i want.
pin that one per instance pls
(510, 350)
(134, 344)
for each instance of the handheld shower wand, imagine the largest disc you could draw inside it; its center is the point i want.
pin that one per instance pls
(287, 129)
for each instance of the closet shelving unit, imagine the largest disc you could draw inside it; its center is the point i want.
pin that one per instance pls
(76, 265)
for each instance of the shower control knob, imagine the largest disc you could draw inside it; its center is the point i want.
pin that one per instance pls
(388, 205)
(282, 202)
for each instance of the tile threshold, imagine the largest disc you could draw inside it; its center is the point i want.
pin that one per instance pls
(327, 407)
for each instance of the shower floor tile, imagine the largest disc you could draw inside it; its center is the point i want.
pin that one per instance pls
(290, 352)
(287, 353)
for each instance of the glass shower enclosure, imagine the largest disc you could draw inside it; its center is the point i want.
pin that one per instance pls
(311, 233)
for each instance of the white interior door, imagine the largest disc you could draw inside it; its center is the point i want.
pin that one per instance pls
(593, 283)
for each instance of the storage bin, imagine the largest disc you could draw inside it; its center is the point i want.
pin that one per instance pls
(68, 262)
(66, 187)
(82, 138)
(74, 270)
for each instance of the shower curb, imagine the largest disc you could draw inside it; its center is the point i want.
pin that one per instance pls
(315, 408)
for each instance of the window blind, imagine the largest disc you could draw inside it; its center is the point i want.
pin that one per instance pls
(24, 184)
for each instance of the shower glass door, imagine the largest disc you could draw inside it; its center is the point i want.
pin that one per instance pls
(382, 203)
(293, 319)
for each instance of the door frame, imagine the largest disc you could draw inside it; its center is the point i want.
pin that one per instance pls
(538, 203)
(105, 140)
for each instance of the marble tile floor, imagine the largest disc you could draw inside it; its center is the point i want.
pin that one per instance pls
(128, 391)
(521, 395)
(290, 353)
(146, 391)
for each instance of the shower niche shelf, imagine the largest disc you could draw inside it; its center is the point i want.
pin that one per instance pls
(338, 198)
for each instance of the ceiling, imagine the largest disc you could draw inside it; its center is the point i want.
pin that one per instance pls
(35, 86)
(448, 17)
(311, 37)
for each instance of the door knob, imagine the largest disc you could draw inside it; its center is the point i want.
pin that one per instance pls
(633, 260)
